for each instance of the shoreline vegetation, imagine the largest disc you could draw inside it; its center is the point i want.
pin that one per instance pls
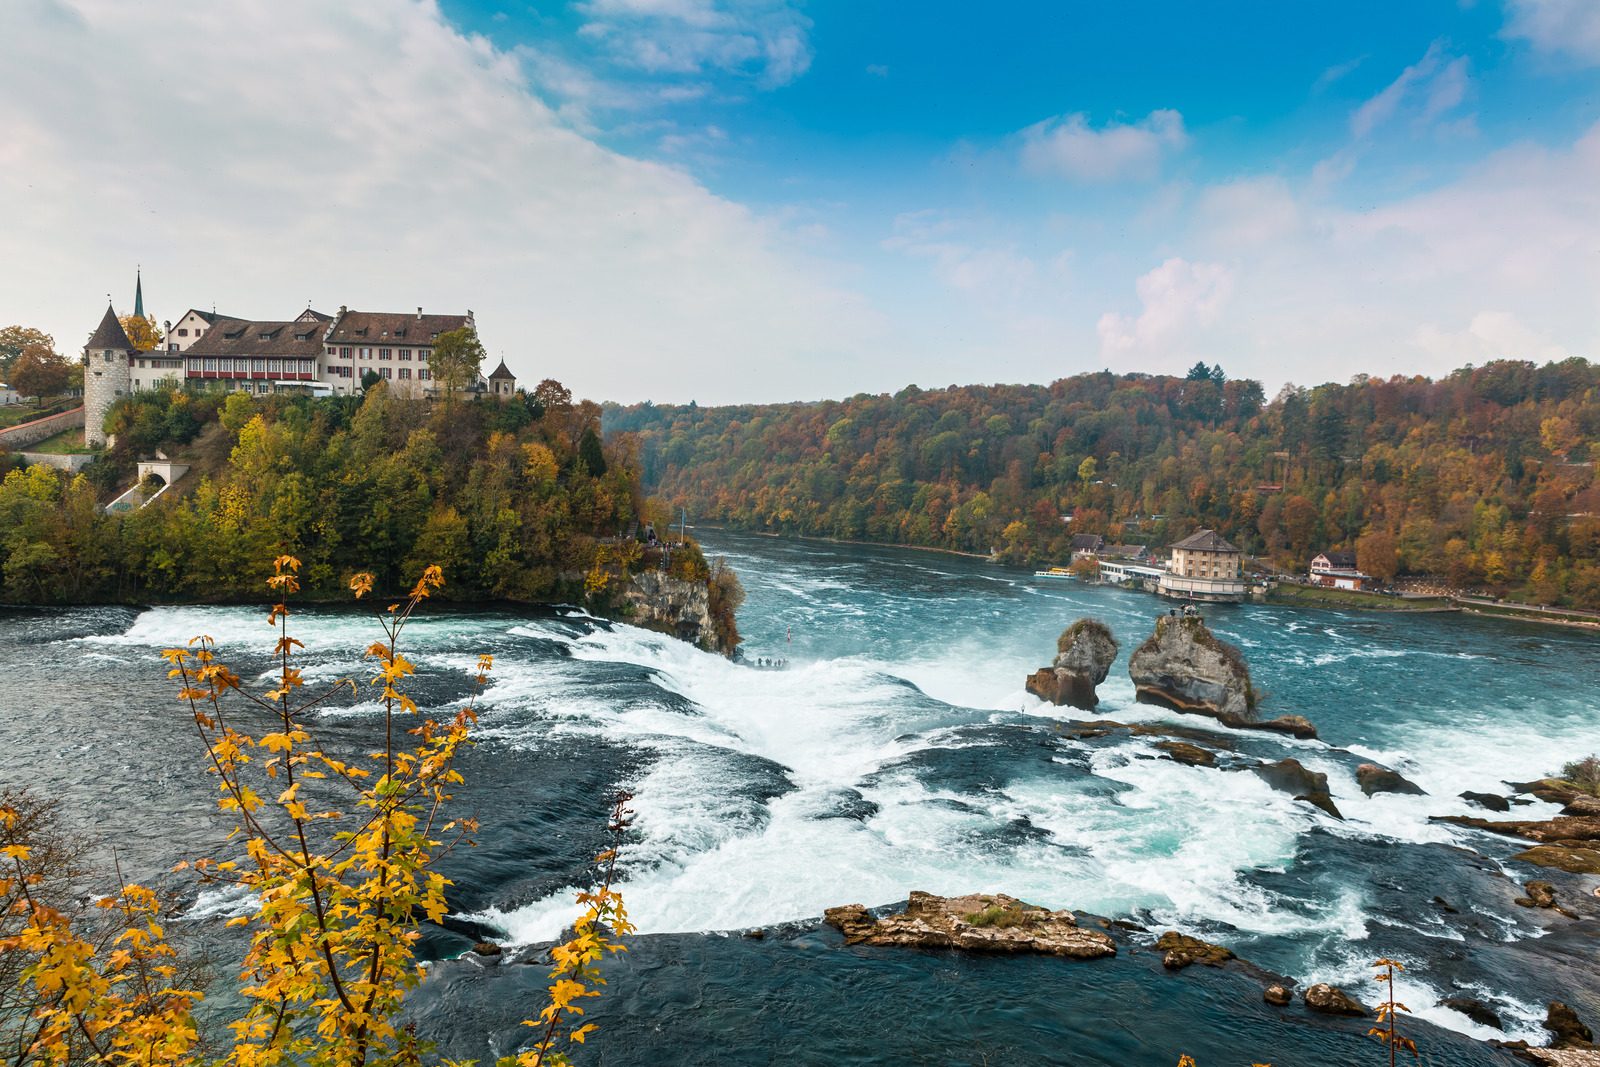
(516, 497)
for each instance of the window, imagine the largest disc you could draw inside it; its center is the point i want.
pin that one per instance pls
(385, 372)
(345, 352)
(332, 351)
(366, 353)
(182, 332)
(405, 354)
(141, 363)
(383, 353)
(405, 373)
(422, 355)
(423, 374)
(274, 366)
(211, 363)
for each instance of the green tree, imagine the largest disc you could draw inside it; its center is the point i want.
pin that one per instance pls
(38, 372)
(457, 359)
(13, 339)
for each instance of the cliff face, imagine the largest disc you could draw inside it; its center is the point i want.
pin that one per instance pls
(1085, 652)
(1184, 667)
(676, 606)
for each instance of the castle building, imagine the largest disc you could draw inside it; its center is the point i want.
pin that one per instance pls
(1204, 567)
(107, 375)
(313, 352)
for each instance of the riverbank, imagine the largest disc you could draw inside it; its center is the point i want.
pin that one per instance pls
(1315, 596)
(844, 541)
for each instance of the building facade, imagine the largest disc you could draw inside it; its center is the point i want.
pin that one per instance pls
(1204, 567)
(1337, 570)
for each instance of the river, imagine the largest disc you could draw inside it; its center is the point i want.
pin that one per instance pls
(898, 750)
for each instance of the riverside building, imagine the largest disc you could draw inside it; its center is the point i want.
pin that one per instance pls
(1204, 567)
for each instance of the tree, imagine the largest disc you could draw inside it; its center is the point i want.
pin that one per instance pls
(143, 333)
(589, 450)
(551, 395)
(457, 359)
(13, 339)
(1378, 554)
(369, 379)
(38, 372)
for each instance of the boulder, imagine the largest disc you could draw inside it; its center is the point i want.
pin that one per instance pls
(1084, 654)
(1276, 995)
(1490, 801)
(1292, 777)
(1555, 1057)
(1331, 1000)
(1375, 779)
(1474, 1009)
(1569, 1030)
(1184, 667)
(1182, 950)
(1542, 895)
(1573, 831)
(1185, 753)
(978, 922)
(1582, 805)
(1293, 725)
(1562, 858)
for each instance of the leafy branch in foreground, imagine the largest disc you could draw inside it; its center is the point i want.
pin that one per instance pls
(337, 891)
(1388, 1011)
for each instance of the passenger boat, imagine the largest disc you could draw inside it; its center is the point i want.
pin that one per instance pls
(1055, 572)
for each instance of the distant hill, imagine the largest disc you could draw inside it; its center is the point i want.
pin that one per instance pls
(1485, 479)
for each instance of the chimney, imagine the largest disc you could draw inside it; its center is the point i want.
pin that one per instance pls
(343, 311)
(419, 313)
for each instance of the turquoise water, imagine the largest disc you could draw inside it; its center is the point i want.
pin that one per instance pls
(899, 751)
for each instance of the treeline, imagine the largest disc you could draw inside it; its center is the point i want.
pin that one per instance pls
(1484, 479)
(510, 498)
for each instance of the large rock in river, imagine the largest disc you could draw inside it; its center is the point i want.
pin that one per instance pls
(978, 922)
(1375, 779)
(1293, 777)
(1184, 667)
(1084, 654)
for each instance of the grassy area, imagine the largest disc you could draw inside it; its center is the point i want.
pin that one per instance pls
(1531, 613)
(65, 443)
(1317, 596)
(16, 414)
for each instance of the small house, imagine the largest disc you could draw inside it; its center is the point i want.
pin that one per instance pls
(1336, 569)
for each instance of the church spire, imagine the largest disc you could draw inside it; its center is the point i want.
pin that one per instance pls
(138, 293)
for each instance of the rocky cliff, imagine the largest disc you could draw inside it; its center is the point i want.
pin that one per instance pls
(1084, 654)
(677, 606)
(1184, 667)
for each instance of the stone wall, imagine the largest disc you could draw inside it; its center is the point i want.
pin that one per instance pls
(31, 433)
(70, 462)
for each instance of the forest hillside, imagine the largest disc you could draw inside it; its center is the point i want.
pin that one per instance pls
(1484, 479)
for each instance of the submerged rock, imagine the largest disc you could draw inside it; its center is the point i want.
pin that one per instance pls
(1542, 895)
(1185, 753)
(1182, 950)
(1569, 1030)
(1184, 667)
(1375, 779)
(1491, 801)
(1084, 654)
(1276, 995)
(1562, 858)
(1567, 842)
(1331, 1000)
(1291, 776)
(978, 922)
(1474, 1009)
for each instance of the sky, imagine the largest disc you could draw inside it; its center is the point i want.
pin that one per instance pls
(766, 200)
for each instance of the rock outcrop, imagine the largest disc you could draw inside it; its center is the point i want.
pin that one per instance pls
(1375, 779)
(1491, 801)
(1187, 754)
(1542, 895)
(1474, 1009)
(1569, 1030)
(676, 606)
(1331, 1000)
(1276, 995)
(978, 922)
(1084, 654)
(1292, 777)
(1183, 666)
(1567, 842)
(1181, 950)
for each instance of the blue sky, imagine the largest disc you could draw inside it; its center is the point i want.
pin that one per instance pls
(766, 199)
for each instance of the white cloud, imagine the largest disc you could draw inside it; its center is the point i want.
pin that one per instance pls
(1426, 91)
(768, 39)
(1070, 146)
(1489, 335)
(1568, 27)
(1179, 300)
(368, 154)
(999, 271)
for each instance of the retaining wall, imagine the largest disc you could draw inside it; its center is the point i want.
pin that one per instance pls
(20, 437)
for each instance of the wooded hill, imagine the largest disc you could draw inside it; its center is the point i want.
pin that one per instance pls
(509, 497)
(1484, 479)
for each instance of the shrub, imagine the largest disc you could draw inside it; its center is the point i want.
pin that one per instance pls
(1584, 773)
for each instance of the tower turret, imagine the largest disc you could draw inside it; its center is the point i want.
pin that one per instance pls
(106, 375)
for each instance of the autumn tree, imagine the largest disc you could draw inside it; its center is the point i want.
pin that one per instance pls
(142, 333)
(1378, 554)
(457, 359)
(39, 372)
(14, 339)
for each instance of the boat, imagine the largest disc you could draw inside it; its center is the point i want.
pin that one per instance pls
(1055, 572)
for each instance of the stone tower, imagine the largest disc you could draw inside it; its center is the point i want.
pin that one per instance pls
(106, 376)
